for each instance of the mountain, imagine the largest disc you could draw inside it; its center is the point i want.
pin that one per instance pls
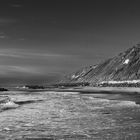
(124, 67)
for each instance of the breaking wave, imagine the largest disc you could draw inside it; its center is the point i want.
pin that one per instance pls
(125, 104)
(8, 105)
(111, 103)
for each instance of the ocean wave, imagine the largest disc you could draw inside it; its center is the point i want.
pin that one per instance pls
(125, 104)
(8, 105)
(67, 93)
(100, 102)
(97, 100)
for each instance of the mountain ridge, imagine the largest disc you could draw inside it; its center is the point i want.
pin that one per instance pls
(125, 66)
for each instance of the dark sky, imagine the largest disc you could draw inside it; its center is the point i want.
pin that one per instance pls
(44, 39)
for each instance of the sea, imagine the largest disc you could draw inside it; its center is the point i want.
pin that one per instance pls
(50, 115)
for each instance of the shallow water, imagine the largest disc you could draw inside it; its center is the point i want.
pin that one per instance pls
(71, 116)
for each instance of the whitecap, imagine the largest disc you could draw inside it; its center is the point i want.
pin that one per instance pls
(124, 104)
(8, 105)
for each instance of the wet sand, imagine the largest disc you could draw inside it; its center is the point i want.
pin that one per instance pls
(126, 90)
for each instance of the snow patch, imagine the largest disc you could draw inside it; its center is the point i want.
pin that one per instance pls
(126, 61)
(74, 76)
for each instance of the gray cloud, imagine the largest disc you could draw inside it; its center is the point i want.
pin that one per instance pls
(2, 37)
(7, 21)
(8, 69)
(26, 54)
(16, 5)
(14, 62)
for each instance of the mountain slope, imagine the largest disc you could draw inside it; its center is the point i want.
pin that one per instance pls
(125, 66)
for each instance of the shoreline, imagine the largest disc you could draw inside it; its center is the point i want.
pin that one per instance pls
(88, 90)
(109, 90)
(110, 93)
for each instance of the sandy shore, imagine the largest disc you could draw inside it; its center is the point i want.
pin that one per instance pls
(129, 90)
(90, 90)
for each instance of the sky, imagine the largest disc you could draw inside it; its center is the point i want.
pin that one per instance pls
(42, 40)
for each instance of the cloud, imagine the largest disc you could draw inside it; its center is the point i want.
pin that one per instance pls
(7, 21)
(14, 69)
(2, 37)
(25, 62)
(22, 39)
(16, 5)
(26, 54)
(24, 69)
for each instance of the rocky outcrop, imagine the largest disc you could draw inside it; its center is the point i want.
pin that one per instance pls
(34, 87)
(3, 89)
(125, 66)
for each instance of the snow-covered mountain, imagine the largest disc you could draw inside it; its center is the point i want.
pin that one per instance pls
(124, 67)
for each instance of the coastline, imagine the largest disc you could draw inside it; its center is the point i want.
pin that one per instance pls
(111, 90)
(91, 90)
(110, 93)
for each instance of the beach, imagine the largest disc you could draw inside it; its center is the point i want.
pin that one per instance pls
(127, 90)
